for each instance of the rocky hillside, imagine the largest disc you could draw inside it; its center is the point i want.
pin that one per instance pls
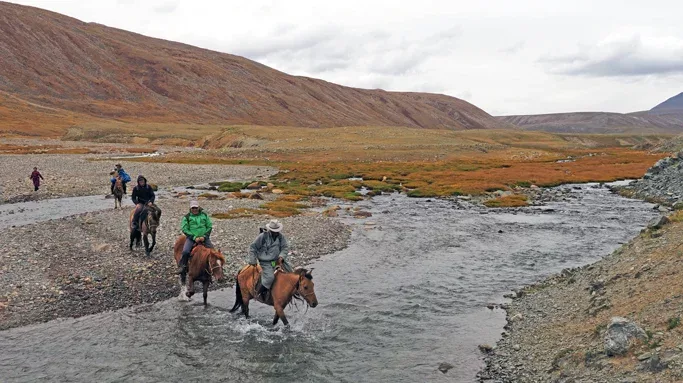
(60, 63)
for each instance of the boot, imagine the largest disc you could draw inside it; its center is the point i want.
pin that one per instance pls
(263, 292)
(182, 267)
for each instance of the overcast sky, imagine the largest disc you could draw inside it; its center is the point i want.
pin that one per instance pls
(507, 57)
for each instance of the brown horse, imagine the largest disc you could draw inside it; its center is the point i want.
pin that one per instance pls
(147, 226)
(205, 265)
(118, 192)
(298, 285)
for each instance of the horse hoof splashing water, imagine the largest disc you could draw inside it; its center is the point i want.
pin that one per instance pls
(287, 286)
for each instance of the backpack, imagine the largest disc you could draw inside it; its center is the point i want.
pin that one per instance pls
(124, 176)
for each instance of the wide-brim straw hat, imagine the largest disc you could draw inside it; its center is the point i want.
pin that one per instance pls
(275, 226)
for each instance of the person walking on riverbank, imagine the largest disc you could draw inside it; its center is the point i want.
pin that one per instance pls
(267, 249)
(197, 226)
(36, 177)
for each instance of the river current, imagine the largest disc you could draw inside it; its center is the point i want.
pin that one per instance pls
(410, 292)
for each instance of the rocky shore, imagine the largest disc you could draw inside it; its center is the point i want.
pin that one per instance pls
(617, 320)
(663, 182)
(81, 265)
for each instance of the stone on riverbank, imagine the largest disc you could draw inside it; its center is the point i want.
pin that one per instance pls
(621, 335)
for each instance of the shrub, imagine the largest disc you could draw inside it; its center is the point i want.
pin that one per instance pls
(672, 323)
(231, 186)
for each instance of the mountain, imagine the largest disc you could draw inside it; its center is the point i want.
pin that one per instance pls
(666, 117)
(674, 104)
(65, 66)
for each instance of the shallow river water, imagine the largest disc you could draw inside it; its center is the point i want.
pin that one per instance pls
(407, 294)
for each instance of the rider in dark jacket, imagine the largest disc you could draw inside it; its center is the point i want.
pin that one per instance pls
(142, 195)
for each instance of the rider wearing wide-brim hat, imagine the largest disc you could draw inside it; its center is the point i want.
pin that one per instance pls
(197, 226)
(266, 249)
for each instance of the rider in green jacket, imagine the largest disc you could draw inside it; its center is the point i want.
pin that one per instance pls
(196, 225)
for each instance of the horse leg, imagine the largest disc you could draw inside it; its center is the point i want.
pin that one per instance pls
(147, 249)
(132, 238)
(206, 291)
(277, 318)
(190, 287)
(154, 241)
(280, 312)
(183, 288)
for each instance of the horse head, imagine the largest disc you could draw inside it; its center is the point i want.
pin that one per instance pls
(216, 261)
(306, 288)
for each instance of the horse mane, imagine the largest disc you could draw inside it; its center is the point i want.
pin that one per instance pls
(304, 273)
(203, 253)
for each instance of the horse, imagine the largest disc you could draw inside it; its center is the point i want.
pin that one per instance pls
(205, 264)
(118, 193)
(146, 226)
(297, 285)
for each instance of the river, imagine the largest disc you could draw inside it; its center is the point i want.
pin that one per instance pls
(409, 293)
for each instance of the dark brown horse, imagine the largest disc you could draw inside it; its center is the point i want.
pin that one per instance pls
(298, 285)
(146, 226)
(118, 192)
(205, 265)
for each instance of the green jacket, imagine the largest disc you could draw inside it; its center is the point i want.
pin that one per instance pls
(196, 225)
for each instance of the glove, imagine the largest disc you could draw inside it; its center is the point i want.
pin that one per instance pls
(199, 239)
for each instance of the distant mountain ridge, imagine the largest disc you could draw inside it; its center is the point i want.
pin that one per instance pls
(675, 103)
(666, 117)
(90, 70)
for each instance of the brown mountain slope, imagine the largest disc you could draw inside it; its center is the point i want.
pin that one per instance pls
(598, 122)
(89, 69)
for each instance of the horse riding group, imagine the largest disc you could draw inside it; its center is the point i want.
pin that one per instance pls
(268, 277)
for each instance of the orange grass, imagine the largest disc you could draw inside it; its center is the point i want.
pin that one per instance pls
(516, 200)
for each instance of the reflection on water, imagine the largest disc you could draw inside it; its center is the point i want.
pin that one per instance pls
(406, 295)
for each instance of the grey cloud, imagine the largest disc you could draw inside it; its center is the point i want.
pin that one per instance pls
(167, 7)
(329, 49)
(514, 48)
(630, 57)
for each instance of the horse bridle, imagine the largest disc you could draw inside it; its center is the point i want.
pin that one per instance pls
(298, 286)
(210, 270)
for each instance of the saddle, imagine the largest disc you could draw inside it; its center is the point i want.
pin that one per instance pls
(257, 286)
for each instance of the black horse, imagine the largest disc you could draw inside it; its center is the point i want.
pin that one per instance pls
(149, 221)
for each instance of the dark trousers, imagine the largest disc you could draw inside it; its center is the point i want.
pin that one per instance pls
(136, 216)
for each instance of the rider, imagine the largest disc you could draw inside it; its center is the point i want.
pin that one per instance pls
(125, 178)
(196, 225)
(142, 195)
(267, 248)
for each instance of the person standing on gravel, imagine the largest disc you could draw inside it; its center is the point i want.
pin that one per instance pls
(267, 249)
(125, 178)
(197, 226)
(36, 177)
(142, 195)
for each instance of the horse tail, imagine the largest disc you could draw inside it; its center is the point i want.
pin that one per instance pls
(238, 296)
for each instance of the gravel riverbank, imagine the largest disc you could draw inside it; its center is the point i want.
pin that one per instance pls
(81, 175)
(81, 265)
